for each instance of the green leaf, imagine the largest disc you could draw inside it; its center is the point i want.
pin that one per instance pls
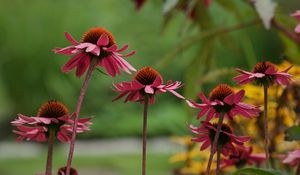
(292, 133)
(265, 10)
(291, 49)
(256, 171)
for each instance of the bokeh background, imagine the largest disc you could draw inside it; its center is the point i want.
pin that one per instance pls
(30, 73)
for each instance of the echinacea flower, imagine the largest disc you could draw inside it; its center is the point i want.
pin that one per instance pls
(292, 158)
(146, 82)
(227, 141)
(264, 73)
(222, 99)
(51, 115)
(297, 16)
(99, 44)
(244, 156)
(63, 171)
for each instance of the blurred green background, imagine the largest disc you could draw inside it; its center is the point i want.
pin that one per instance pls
(30, 72)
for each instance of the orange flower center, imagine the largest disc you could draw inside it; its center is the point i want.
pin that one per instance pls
(146, 75)
(94, 34)
(220, 92)
(52, 109)
(261, 67)
(223, 138)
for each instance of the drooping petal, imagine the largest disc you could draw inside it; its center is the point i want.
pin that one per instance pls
(83, 64)
(70, 38)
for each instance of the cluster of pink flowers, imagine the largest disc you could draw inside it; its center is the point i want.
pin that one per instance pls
(224, 102)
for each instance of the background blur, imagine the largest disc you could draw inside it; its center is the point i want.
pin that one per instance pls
(30, 73)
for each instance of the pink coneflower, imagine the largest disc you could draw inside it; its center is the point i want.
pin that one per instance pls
(63, 170)
(264, 73)
(52, 115)
(222, 99)
(244, 157)
(146, 82)
(297, 16)
(227, 141)
(98, 44)
(52, 121)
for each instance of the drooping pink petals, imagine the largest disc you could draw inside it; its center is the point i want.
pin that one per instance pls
(264, 73)
(150, 84)
(104, 50)
(227, 140)
(36, 128)
(243, 157)
(231, 105)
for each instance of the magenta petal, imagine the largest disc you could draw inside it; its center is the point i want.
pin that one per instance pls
(83, 65)
(229, 99)
(176, 94)
(130, 54)
(158, 81)
(103, 40)
(239, 96)
(108, 66)
(297, 28)
(70, 38)
(73, 62)
(112, 48)
(149, 89)
(123, 48)
(205, 145)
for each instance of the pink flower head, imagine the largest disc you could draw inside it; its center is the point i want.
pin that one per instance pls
(264, 73)
(63, 171)
(292, 158)
(51, 115)
(99, 44)
(222, 99)
(297, 16)
(227, 140)
(244, 157)
(139, 4)
(147, 81)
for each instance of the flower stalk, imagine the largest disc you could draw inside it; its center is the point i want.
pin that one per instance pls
(266, 142)
(51, 139)
(215, 143)
(76, 114)
(146, 102)
(218, 159)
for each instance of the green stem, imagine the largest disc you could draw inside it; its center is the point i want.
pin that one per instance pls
(51, 139)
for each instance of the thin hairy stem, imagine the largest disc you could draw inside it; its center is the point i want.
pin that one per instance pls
(146, 101)
(215, 143)
(76, 114)
(266, 126)
(51, 139)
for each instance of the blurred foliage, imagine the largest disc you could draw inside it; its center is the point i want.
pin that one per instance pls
(196, 49)
(104, 164)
